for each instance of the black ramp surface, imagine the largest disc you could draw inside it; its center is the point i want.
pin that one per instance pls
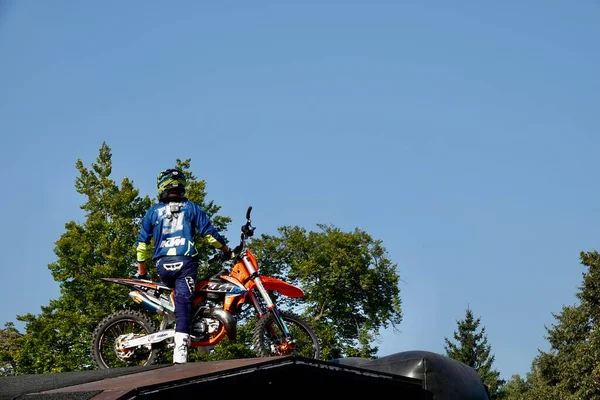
(17, 387)
(413, 375)
(445, 378)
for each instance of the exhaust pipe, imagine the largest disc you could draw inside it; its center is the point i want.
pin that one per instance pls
(223, 317)
(139, 298)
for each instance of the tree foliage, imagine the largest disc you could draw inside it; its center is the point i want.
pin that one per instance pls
(58, 339)
(516, 388)
(570, 369)
(351, 285)
(10, 347)
(471, 347)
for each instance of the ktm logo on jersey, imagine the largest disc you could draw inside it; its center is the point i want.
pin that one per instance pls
(172, 242)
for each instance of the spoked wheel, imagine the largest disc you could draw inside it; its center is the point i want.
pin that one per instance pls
(269, 340)
(117, 327)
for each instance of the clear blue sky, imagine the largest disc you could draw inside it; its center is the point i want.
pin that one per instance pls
(462, 134)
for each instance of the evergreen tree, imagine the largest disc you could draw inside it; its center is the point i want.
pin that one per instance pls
(570, 370)
(471, 348)
(516, 388)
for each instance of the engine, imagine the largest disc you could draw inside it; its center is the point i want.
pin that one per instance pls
(203, 327)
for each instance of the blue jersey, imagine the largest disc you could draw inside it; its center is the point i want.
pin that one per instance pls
(173, 226)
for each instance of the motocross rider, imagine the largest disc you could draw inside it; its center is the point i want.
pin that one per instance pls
(173, 224)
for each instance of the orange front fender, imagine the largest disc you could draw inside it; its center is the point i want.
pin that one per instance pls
(286, 289)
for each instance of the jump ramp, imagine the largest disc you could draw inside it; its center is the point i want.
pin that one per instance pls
(410, 375)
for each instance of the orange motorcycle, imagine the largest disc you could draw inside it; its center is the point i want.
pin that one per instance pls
(129, 337)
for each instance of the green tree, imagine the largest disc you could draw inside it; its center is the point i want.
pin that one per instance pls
(58, 339)
(10, 347)
(516, 388)
(570, 369)
(350, 283)
(471, 348)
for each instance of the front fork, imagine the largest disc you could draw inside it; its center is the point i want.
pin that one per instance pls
(268, 301)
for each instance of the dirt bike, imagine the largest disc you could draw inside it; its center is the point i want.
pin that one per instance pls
(128, 337)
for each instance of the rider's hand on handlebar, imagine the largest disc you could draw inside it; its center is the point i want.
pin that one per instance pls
(227, 254)
(220, 257)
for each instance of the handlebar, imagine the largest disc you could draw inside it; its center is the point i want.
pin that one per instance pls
(247, 228)
(247, 232)
(215, 258)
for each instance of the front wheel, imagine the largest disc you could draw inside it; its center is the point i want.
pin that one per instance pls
(118, 326)
(269, 340)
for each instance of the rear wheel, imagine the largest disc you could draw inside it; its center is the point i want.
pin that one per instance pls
(269, 340)
(118, 326)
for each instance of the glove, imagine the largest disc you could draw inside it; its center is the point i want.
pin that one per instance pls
(227, 255)
(232, 253)
(139, 276)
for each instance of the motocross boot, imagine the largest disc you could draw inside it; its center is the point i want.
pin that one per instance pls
(180, 350)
